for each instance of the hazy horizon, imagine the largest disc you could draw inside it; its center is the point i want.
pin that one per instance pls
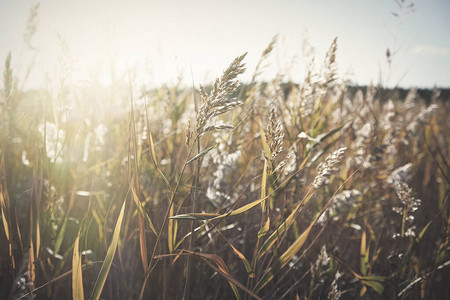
(160, 41)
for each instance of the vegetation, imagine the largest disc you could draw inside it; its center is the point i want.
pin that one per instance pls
(224, 191)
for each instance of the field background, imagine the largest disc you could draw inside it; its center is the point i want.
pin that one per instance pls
(267, 189)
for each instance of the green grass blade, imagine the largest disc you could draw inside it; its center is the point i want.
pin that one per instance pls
(263, 231)
(203, 153)
(77, 277)
(142, 211)
(413, 247)
(61, 235)
(101, 279)
(364, 254)
(374, 282)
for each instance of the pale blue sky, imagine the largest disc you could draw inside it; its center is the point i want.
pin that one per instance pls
(166, 38)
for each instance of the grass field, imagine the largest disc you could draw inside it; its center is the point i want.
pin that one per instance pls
(267, 190)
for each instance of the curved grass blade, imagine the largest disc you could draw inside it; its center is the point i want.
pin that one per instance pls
(57, 278)
(374, 282)
(101, 279)
(322, 137)
(241, 256)
(263, 231)
(282, 228)
(212, 216)
(142, 211)
(77, 276)
(295, 247)
(152, 147)
(246, 263)
(195, 216)
(243, 208)
(284, 259)
(203, 153)
(220, 268)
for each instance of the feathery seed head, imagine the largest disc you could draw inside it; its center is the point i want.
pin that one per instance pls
(274, 134)
(328, 167)
(217, 102)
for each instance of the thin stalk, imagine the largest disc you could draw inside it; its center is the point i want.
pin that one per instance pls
(194, 197)
(142, 239)
(166, 217)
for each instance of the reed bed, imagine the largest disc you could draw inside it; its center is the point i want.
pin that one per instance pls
(264, 190)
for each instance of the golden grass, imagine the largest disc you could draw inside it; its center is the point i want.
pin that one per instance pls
(275, 191)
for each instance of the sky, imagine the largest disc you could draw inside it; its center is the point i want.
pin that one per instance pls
(161, 41)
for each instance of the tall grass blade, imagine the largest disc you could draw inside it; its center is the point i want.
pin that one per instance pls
(283, 227)
(196, 216)
(77, 276)
(203, 153)
(212, 216)
(170, 231)
(220, 267)
(264, 186)
(263, 231)
(364, 254)
(283, 260)
(5, 220)
(374, 282)
(241, 256)
(142, 211)
(101, 279)
(414, 245)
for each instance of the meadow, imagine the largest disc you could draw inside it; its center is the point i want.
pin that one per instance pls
(263, 190)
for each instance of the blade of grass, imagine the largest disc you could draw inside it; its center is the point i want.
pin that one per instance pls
(414, 245)
(374, 282)
(142, 211)
(170, 231)
(295, 247)
(62, 227)
(203, 153)
(284, 259)
(263, 231)
(152, 146)
(207, 216)
(239, 254)
(283, 227)
(101, 279)
(210, 216)
(221, 268)
(264, 185)
(364, 254)
(142, 239)
(4, 206)
(77, 276)
(31, 266)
